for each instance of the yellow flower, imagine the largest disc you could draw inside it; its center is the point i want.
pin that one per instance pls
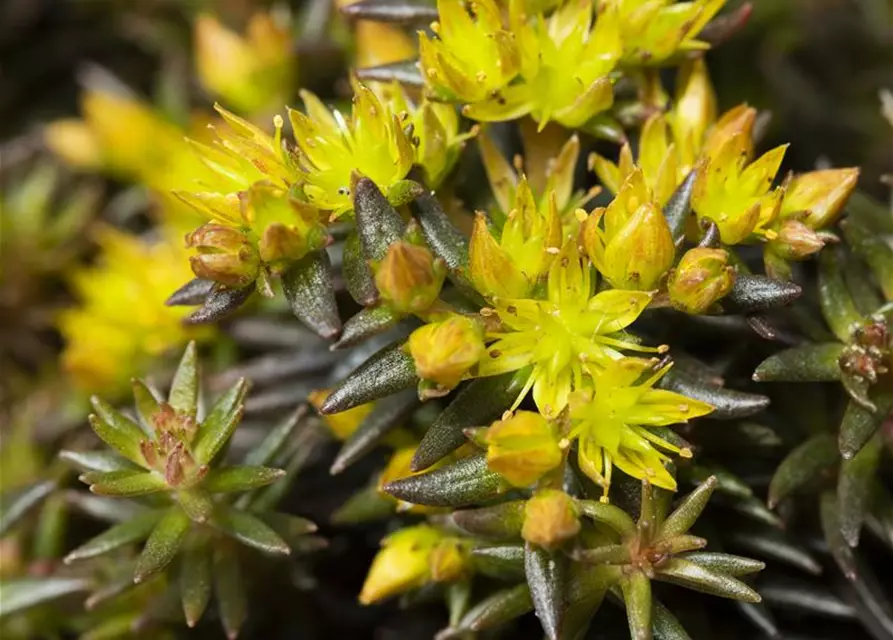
(653, 31)
(634, 248)
(372, 143)
(612, 422)
(252, 73)
(511, 266)
(735, 194)
(567, 337)
(121, 323)
(473, 56)
(435, 131)
(693, 113)
(565, 64)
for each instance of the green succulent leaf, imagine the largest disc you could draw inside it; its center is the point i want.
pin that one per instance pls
(802, 465)
(388, 371)
(196, 502)
(117, 430)
(689, 510)
(271, 446)
(831, 526)
(547, 579)
(664, 624)
(229, 587)
(854, 486)
(240, 478)
(467, 481)
(357, 274)
(146, 404)
(609, 515)
(501, 522)
(774, 545)
(636, 589)
(838, 307)
(250, 531)
(128, 532)
(124, 483)
(699, 578)
(728, 404)
(724, 562)
(366, 323)
(183, 396)
(24, 593)
(97, 461)
(859, 424)
(378, 223)
(163, 543)
(503, 562)
(217, 428)
(195, 581)
(492, 612)
(872, 248)
(806, 363)
(14, 505)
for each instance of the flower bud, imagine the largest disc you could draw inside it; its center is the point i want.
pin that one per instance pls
(551, 518)
(795, 241)
(74, 142)
(695, 110)
(491, 269)
(640, 252)
(444, 352)
(818, 196)
(738, 120)
(344, 423)
(523, 448)
(403, 563)
(449, 560)
(409, 278)
(701, 278)
(225, 255)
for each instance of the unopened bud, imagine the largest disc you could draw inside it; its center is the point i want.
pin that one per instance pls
(403, 563)
(225, 255)
(551, 518)
(523, 448)
(702, 277)
(409, 278)
(795, 241)
(738, 120)
(444, 352)
(449, 560)
(817, 197)
(492, 270)
(640, 252)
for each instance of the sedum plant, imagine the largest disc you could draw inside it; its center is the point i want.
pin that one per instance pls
(579, 337)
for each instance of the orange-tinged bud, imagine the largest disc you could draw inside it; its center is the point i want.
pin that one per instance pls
(444, 352)
(402, 564)
(551, 518)
(738, 120)
(409, 278)
(74, 142)
(695, 111)
(344, 423)
(492, 270)
(523, 448)
(449, 560)
(640, 252)
(225, 255)
(795, 241)
(817, 197)
(702, 277)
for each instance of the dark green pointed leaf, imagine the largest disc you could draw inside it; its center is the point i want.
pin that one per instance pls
(504, 562)
(14, 505)
(699, 578)
(163, 543)
(104, 508)
(806, 363)
(406, 73)
(840, 550)
(240, 478)
(664, 624)
(605, 554)
(358, 276)
(727, 404)
(146, 404)
(758, 293)
(291, 528)
(458, 597)
(774, 545)
(190, 294)
(195, 582)
(184, 389)
(854, 486)
(873, 249)
(25, 593)
(859, 424)
(803, 464)
(609, 515)
(308, 287)
(216, 429)
(386, 372)
(388, 414)
(837, 304)
(365, 324)
(378, 223)
(804, 597)
(492, 612)
(636, 589)
(689, 510)
(724, 562)
(196, 502)
(128, 532)
(229, 587)
(479, 403)
(461, 483)
(250, 531)
(500, 521)
(396, 11)
(117, 430)
(124, 483)
(219, 304)
(547, 579)
(678, 208)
